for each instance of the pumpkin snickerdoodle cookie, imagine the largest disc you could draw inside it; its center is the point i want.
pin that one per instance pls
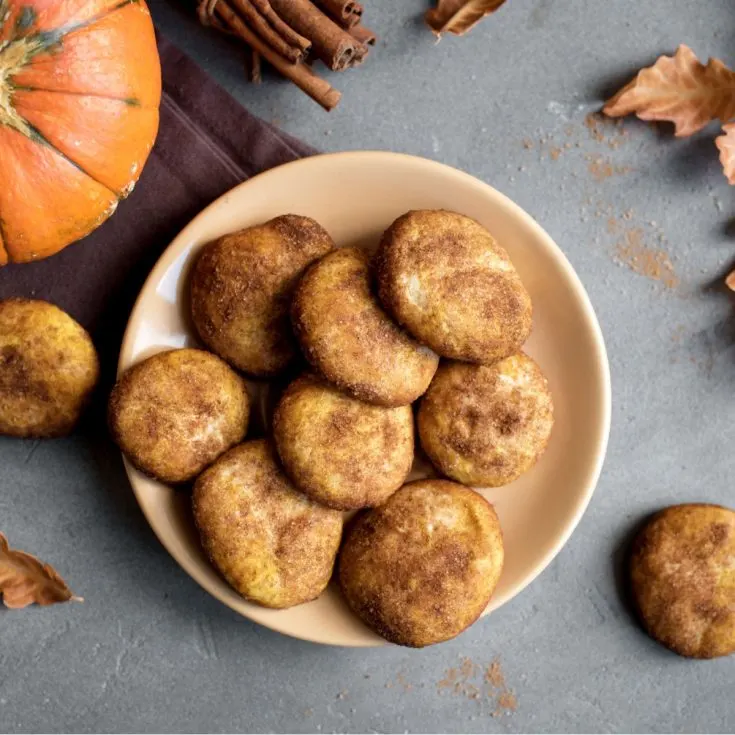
(682, 573)
(485, 425)
(422, 567)
(274, 545)
(350, 340)
(176, 412)
(48, 369)
(241, 288)
(342, 452)
(446, 280)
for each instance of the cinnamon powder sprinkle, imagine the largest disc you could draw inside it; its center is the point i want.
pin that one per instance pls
(594, 122)
(449, 680)
(400, 679)
(597, 124)
(494, 675)
(486, 686)
(655, 264)
(467, 669)
(602, 169)
(506, 703)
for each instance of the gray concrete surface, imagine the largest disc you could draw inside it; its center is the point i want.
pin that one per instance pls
(150, 651)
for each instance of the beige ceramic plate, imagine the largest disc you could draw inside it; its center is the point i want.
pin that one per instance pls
(356, 196)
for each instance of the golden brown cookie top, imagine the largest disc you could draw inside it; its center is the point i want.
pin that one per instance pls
(422, 567)
(241, 290)
(447, 281)
(340, 451)
(273, 544)
(348, 338)
(682, 571)
(485, 425)
(48, 368)
(177, 411)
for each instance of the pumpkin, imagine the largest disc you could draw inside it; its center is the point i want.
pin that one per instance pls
(80, 87)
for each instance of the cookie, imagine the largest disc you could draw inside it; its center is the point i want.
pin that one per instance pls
(269, 541)
(241, 288)
(421, 568)
(342, 452)
(682, 573)
(48, 369)
(176, 412)
(447, 281)
(350, 340)
(486, 425)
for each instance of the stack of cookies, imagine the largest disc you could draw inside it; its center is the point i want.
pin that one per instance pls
(436, 321)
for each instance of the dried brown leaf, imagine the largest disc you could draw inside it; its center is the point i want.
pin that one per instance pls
(25, 580)
(458, 16)
(678, 89)
(726, 144)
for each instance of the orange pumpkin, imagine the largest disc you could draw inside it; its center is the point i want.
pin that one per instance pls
(80, 86)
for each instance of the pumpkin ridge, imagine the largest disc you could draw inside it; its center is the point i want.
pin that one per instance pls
(38, 137)
(100, 56)
(128, 100)
(20, 52)
(72, 26)
(51, 37)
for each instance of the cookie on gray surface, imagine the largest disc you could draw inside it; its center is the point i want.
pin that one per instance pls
(682, 573)
(48, 369)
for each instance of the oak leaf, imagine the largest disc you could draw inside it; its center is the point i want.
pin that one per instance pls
(678, 89)
(25, 580)
(726, 144)
(458, 16)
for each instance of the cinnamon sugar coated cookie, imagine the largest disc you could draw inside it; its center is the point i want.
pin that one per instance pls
(486, 425)
(342, 452)
(176, 412)
(48, 369)
(350, 340)
(447, 281)
(422, 567)
(241, 288)
(269, 541)
(682, 572)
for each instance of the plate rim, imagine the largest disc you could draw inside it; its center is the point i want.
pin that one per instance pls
(177, 244)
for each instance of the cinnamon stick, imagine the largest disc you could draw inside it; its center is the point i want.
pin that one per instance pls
(363, 35)
(253, 66)
(331, 43)
(279, 36)
(345, 12)
(300, 74)
(283, 29)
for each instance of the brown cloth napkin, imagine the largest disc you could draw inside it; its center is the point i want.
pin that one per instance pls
(207, 144)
